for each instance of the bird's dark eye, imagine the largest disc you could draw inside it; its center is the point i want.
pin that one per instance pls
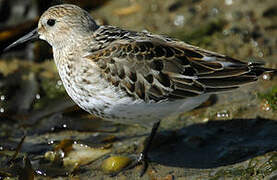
(51, 22)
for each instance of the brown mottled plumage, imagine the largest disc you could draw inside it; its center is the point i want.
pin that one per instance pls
(134, 77)
(155, 68)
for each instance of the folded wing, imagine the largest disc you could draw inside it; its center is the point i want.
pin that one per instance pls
(154, 70)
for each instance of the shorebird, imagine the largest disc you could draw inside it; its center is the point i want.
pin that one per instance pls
(134, 77)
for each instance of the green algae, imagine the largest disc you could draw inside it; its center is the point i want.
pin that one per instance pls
(53, 89)
(270, 97)
(50, 89)
(257, 168)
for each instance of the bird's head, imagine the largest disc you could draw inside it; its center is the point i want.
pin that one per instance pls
(61, 25)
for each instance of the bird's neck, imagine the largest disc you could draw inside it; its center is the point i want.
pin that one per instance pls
(73, 41)
(73, 47)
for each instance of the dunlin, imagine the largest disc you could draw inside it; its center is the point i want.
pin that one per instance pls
(134, 77)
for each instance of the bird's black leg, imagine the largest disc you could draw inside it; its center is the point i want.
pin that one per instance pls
(143, 156)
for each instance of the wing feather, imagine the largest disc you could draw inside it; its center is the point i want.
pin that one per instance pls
(157, 69)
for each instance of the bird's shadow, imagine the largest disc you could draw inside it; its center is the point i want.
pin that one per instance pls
(215, 143)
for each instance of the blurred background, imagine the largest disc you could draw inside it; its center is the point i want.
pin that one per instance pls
(35, 109)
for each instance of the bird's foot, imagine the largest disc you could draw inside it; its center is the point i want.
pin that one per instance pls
(142, 158)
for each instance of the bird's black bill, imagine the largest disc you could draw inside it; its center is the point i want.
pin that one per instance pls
(33, 35)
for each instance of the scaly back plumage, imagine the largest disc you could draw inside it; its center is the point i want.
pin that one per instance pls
(156, 68)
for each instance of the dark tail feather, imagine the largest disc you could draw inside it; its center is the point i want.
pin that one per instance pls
(260, 70)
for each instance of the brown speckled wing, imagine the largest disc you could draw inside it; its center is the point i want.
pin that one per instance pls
(157, 71)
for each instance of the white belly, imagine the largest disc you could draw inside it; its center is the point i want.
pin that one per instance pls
(148, 113)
